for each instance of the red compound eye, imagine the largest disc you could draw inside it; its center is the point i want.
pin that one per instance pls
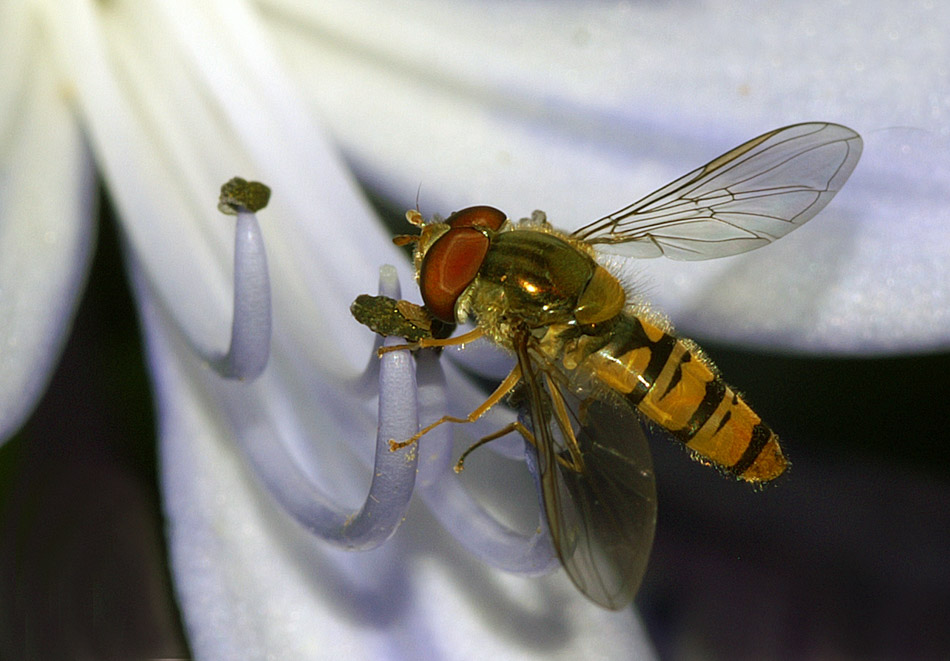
(449, 267)
(480, 216)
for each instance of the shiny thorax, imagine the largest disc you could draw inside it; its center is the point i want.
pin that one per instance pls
(670, 382)
(531, 278)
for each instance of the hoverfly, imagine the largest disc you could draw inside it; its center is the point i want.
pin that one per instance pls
(590, 360)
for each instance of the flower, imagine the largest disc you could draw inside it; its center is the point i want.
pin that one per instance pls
(572, 108)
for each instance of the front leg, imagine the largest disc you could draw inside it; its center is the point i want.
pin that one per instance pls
(503, 389)
(428, 342)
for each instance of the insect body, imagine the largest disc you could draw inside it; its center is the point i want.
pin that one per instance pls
(589, 355)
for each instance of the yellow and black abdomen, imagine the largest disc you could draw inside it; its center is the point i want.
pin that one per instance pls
(665, 379)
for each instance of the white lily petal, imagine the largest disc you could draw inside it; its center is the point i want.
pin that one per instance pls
(47, 197)
(581, 108)
(161, 185)
(165, 184)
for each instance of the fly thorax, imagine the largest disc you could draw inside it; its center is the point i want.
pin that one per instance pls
(538, 276)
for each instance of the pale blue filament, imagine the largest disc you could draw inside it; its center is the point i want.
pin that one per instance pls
(251, 326)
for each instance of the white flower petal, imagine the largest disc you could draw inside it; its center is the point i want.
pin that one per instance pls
(164, 174)
(583, 107)
(324, 246)
(46, 200)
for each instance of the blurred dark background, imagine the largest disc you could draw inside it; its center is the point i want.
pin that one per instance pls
(845, 557)
(83, 571)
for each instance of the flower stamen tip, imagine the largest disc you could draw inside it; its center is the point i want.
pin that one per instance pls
(241, 195)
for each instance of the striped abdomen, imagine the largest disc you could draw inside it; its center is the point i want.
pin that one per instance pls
(667, 382)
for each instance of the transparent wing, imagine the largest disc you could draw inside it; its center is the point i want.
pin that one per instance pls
(745, 199)
(601, 518)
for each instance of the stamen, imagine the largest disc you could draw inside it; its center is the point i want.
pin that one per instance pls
(394, 473)
(388, 286)
(251, 326)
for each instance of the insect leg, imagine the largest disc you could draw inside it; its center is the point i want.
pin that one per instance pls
(562, 416)
(426, 342)
(504, 431)
(576, 463)
(509, 382)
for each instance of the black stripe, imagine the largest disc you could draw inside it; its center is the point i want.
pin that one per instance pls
(761, 435)
(629, 338)
(659, 355)
(677, 374)
(722, 423)
(715, 393)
